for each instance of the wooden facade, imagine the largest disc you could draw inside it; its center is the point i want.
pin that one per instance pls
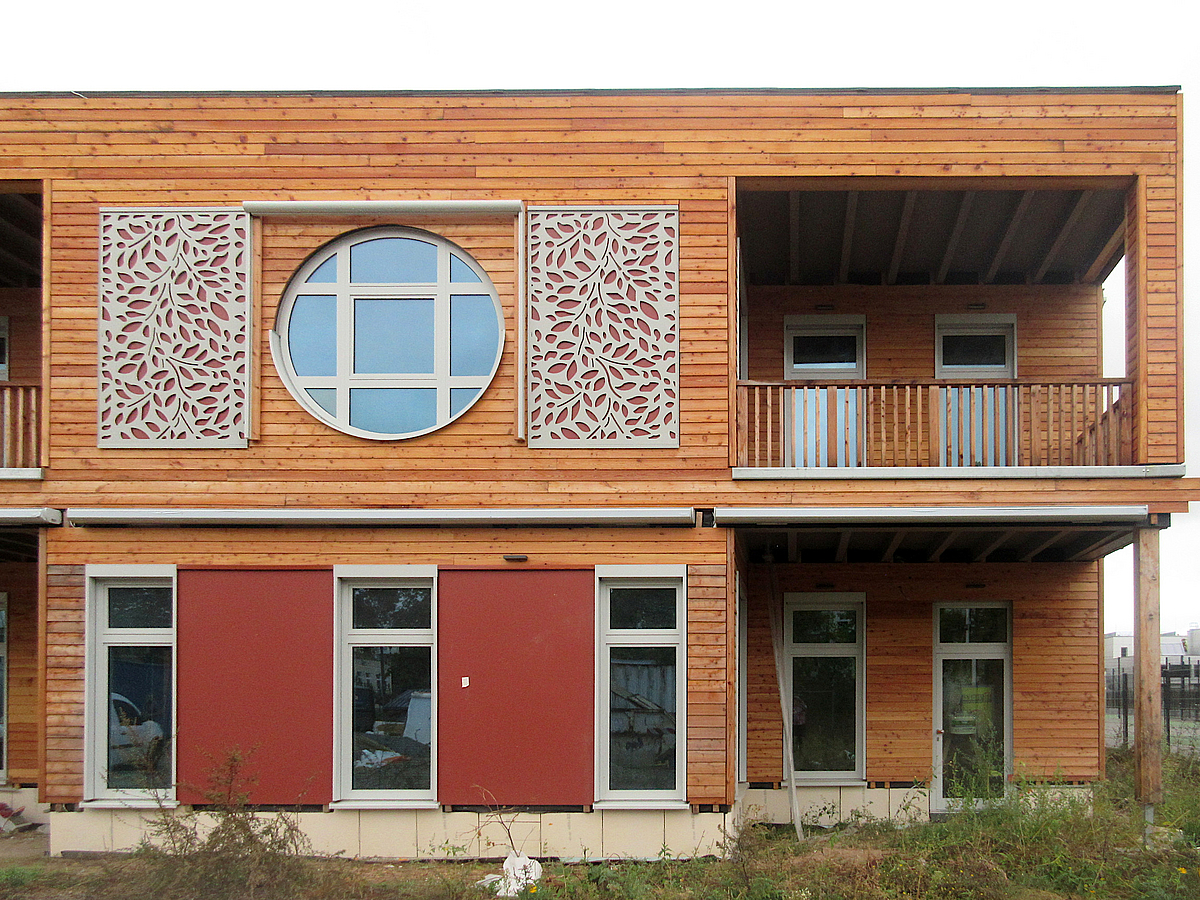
(720, 159)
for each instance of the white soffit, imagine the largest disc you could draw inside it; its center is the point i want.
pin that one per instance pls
(40, 515)
(440, 208)
(665, 516)
(930, 515)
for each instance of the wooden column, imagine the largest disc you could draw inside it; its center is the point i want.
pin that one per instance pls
(1147, 708)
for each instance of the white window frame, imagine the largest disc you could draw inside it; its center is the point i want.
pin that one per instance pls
(608, 577)
(346, 293)
(346, 638)
(4, 626)
(843, 325)
(965, 650)
(976, 324)
(99, 578)
(857, 602)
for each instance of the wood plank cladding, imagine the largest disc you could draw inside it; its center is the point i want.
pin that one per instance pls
(689, 149)
(1056, 698)
(1057, 330)
(19, 581)
(702, 550)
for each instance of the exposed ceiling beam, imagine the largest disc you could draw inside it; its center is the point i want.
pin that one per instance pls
(936, 555)
(889, 555)
(1064, 232)
(848, 235)
(960, 223)
(1107, 258)
(1044, 545)
(1014, 225)
(793, 546)
(9, 259)
(1103, 547)
(13, 234)
(843, 546)
(910, 201)
(995, 545)
(793, 237)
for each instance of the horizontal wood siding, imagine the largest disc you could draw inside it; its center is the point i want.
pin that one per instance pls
(546, 149)
(1058, 330)
(702, 550)
(19, 581)
(1055, 663)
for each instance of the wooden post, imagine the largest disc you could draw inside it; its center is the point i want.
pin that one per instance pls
(1147, 700)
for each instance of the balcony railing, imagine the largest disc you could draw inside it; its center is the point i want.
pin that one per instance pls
(935, 423)
(20, 431)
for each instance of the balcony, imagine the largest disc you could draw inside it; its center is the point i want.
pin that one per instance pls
(20, 426)
(934, 423)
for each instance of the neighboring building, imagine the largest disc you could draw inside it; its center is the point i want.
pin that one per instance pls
(464, 450)
(1118, 646)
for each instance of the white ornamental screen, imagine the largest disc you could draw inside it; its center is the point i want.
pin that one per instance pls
(603, 335)
(174, 327)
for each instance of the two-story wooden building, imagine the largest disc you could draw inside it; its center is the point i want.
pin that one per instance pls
(622, 458)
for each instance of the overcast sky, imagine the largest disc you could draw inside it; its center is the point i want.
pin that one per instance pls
(402, 45)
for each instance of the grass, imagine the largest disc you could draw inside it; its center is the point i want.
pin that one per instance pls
(1035, 844)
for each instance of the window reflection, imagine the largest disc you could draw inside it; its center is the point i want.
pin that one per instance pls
(391, 719)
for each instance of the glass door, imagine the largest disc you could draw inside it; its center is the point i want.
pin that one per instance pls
(972, 703)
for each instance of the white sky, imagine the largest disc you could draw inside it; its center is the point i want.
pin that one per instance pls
(83, 45)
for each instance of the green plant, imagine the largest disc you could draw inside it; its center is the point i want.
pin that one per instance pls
(225, 849)
(12, 878)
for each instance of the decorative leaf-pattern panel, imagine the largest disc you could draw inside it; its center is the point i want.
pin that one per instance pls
(174, 327)
(603, 332)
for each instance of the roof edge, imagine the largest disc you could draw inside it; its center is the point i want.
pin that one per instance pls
(615, 92)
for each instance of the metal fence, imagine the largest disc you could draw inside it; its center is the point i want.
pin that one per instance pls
(1181, 704)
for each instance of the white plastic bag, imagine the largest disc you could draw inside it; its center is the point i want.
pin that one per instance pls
(519, 873)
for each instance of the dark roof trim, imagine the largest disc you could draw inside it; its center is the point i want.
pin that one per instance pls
(616, 92)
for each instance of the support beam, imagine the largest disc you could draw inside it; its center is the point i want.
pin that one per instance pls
(1014, 226)
(848, 236)
(964, 210)
(1147, 701)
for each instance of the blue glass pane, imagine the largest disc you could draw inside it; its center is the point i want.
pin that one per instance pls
(393, 410)
(461, 398)
(326, 272)
(326, 398)
(312, 335)
(393, 261)
(393, 336)
(474, 335)
(461, 273)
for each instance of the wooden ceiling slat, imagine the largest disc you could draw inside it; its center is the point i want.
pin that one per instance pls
(1107, 258)
(848, 236)
(960, 223)
(910, 201)
(1064, 232)
(1014, 226)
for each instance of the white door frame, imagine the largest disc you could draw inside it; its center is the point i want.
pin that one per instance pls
(983, 651)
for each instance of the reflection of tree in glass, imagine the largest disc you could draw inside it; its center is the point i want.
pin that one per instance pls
(646, 607)
(393, 607)
(139, 607)
(824, 626)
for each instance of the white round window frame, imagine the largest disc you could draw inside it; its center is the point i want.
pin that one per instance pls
(298, 285)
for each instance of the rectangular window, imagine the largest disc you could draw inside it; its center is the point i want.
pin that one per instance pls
(981, 347)
(642, 685)
(824, 347)
(131, 674)
(824, 640)
(385, 672)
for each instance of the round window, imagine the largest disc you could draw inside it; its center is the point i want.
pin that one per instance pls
(388, 333)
